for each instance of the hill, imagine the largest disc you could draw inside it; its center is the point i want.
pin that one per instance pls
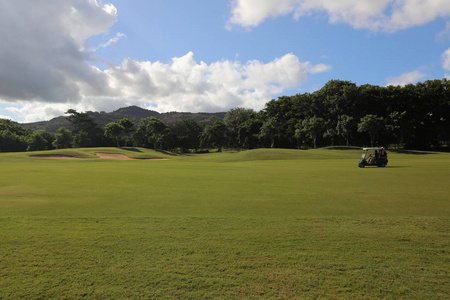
(134, 113)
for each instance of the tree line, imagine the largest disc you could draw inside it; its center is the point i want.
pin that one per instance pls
(340, 113)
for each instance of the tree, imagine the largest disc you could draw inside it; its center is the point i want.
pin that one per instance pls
(248, 132)
(269, 131)
(233, 119)
(63, 139)
(313, 128)
(152, 131)
(114, 130)
(344, 127)
(12, 142)
(86, 132)
(395, 124)
(371, 124)
(186, 134)
(36, 142)
(214, 136)
(128, 128)
(13, 137)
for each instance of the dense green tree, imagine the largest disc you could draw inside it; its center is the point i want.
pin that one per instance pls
(13, 136)
(153, 132)
(396, 126)
(186, 134)
(344, 127)
(114, 130)
(233, 119)
(269, 131)
(36, 141)
(214, 136)
(248, 132)
(128, 129)
(85, 130)
(313, 128)
(12, 142)
(63, 139)
(371, 124)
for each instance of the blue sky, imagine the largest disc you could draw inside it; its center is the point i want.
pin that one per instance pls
(203, 55)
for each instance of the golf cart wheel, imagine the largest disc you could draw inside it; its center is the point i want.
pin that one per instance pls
(361, 165)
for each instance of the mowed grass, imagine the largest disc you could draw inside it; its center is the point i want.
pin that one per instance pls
(266, 223)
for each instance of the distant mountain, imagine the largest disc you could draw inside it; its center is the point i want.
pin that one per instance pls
(134, 113)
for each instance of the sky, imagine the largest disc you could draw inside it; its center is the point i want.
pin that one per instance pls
(208, 55)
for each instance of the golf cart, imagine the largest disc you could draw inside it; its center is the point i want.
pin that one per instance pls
(379, 157)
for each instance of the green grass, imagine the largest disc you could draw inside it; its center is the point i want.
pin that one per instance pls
(267, 223)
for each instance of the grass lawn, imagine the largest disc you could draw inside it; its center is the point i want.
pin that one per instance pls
(267, 223)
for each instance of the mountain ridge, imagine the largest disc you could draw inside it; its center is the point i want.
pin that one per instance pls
(135, 113)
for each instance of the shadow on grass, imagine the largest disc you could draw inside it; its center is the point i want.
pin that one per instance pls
(343, 148)
(131, 149)
(166, 152)
(413, 152)
(396, 167)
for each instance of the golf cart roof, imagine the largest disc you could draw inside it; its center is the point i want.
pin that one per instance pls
(373, 148)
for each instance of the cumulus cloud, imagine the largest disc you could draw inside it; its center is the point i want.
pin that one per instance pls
(184, 84)
(48, 67)
(406, 78)
(42, 53)
(375, 15)
(446, 62)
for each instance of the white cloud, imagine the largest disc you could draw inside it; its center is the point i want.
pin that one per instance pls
(42, 53)
(187, 85)
(406, 78)
(111, 41)
(446, 60)
(47, 68)
(181, 85)
(375, 15)
(444, 35)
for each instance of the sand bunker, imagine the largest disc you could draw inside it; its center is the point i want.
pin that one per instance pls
(100, 155)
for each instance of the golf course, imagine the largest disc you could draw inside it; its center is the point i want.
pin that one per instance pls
(255, 224)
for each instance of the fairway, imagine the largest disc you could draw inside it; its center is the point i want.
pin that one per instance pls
(266, 223)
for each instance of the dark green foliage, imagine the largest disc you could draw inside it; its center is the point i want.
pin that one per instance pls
(37, 141)
(85, 130)
(13, 137)
(128, 128)
(371, 124)
(153, 133)
(233, 120)
(114, 130)
(214, 136)
(186, 134)
(340, 113)
(413, 116)
(63, 139)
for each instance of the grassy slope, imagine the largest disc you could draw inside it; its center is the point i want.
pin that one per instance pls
(261, 223)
